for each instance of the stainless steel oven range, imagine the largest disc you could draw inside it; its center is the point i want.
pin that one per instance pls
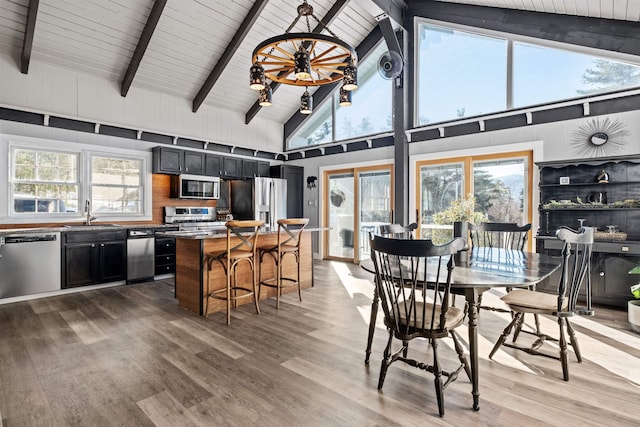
(193, 220)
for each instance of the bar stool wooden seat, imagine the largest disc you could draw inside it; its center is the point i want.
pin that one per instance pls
(289, 237)
(242, 238)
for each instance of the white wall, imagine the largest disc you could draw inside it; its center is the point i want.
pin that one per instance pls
(58, 91)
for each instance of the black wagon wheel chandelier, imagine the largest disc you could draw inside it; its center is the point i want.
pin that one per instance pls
(304, 59)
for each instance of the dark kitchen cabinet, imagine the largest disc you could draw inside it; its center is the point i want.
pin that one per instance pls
(263, 168)
(175, 161)
(165, 255)
(295, 188)
(231, 167)
(213, 165)
(253, 168)
(249, 168)
(194, 163)
(94, 257)
(167, 160)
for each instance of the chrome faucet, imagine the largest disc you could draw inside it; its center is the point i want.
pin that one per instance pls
(87, 211)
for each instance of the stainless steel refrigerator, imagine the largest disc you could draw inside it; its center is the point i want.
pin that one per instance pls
(259, 198)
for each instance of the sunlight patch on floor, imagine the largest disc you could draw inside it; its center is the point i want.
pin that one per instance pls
(613, 360)
(353, 285)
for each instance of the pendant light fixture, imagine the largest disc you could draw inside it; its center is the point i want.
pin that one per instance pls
(264, 97)
(306, 102)
(304, 59)
(345, 97)
(256, 77)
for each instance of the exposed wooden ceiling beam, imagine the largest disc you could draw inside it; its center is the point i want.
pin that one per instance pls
(237, 39)
(389, 35)
(327, 19)
(145, 37)
(29, 30)
(394, 8)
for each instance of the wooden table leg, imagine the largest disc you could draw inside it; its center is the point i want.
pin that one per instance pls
(471, 296)
(372, 323)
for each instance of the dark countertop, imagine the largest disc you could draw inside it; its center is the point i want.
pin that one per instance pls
(79, 227)
(217, 234)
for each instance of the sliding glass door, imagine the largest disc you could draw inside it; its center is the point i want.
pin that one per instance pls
(356, 201)
(500, 185)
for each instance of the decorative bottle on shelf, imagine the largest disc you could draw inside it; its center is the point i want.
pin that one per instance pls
(602, 177)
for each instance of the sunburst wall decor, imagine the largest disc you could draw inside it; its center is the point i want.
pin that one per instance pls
(599, 138)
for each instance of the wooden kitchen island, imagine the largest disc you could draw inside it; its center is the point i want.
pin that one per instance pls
(191, 270)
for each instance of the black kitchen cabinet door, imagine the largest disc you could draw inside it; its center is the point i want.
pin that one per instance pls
(167, 160)
(263, 168)
(212, 165)
(249, 168)
(194, 163)
(112, 259)
(610, 280)
(231, 167)
(80, 265)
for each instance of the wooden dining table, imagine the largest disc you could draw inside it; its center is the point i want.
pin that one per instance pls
(483, 269)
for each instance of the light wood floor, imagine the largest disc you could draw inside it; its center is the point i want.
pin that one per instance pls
(130, 356)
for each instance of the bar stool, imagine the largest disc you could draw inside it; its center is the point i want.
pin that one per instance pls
(246, 232)
(289, 237)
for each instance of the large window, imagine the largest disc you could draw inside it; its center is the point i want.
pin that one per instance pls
(56, 183)
(116, 185)
(370, 112)
(459, 74)
(542, 74)
(44, 182)
(462, 74)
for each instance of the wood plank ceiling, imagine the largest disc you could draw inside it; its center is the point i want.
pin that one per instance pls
(99, 37)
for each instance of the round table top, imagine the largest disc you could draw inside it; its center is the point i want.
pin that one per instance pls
(492, 267)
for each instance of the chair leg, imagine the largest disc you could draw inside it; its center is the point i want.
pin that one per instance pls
(518, 327)
(229, 273)
(461, 355)
(278, 279)
(297, 255)
(574, 341)
(385, 361)
(537, 320)
(260, 259)
(256, 294)
(505, 334)
(562, 342)
(206, 303)
(437, 372)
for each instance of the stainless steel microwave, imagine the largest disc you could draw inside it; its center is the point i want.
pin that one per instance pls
(195, 187)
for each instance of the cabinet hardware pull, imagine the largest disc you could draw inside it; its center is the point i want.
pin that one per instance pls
(625, 249)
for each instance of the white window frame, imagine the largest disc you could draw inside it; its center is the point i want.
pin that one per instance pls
(510, 39)
(12, 181)
(89, 191)
(85, 152)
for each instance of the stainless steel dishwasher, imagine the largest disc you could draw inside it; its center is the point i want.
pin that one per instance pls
(140, 254)
(29, 264)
